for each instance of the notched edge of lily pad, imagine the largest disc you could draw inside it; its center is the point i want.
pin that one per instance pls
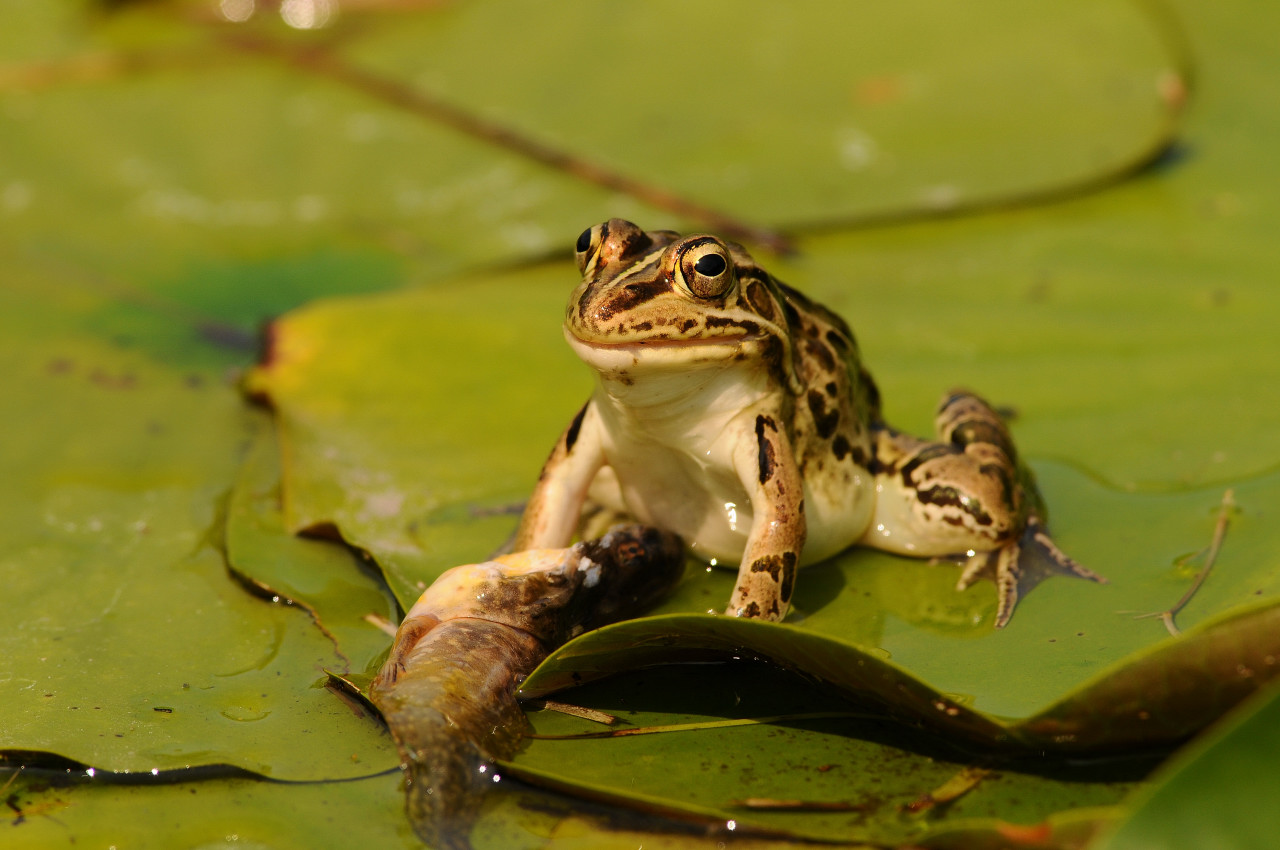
(1153, 698)
(80, 771)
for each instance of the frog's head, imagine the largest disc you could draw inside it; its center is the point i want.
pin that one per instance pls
(659, 299)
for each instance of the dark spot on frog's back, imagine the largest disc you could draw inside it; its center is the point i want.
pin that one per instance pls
(824, 420)
(767, 461)
(819, 351)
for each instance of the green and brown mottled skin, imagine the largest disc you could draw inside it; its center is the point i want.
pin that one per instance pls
(447, 690)
(736, 412)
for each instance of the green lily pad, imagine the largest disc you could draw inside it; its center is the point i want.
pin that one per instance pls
(329, 582)
(387, 447)
(162, 193)
(834, 112)
(819, 768)
(1215, 793)
(904, 110)
(112, 528)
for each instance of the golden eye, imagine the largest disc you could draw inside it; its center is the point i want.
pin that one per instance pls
(706, 269)
(587, 246)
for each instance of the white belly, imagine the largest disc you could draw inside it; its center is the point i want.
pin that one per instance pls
(706, 504)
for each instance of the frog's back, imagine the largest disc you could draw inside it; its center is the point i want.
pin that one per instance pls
(831, 424)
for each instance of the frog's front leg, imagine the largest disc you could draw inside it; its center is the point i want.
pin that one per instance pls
(767, 574)
(553, 510)
(967, 496)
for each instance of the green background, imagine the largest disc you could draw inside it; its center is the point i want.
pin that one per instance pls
(1068, 208)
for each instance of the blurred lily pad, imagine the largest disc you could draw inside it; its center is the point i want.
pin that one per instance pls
(1216, 792)
(428, 135)
(833, 111)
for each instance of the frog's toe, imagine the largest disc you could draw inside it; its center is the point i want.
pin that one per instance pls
(1000, 566)
(1009, 582)
(1019, 566)
(977, 566)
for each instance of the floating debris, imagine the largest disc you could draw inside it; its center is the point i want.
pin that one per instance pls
(447, 690)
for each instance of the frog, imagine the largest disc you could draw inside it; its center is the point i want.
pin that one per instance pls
(731, 409)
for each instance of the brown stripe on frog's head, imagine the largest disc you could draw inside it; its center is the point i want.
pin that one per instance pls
(661, 289)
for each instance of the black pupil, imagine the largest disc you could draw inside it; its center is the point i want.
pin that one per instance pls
(584, 241)
(709, 265)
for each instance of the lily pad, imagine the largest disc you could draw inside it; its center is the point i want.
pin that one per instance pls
(834, 112)
(363, 137)
(112, 549)
(351, 408)
(1216, 792)
(335, 587)
(163, 191)
(770, 751)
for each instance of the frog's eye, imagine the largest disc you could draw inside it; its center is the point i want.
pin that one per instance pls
(587, 246)
(705, 268)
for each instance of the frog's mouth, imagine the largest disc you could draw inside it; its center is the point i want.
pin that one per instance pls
(658, 351)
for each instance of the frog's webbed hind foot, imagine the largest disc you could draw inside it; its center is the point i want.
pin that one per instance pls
(1018, 566)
